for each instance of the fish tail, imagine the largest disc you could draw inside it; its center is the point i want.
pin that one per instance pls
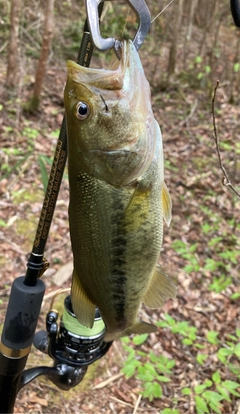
(83, 307)
(159, 290)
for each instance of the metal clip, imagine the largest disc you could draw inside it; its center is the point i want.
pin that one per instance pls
(141, 10)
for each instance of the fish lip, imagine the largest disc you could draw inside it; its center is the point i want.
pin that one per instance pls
(76, 68)
(112, 78)
(102, 79)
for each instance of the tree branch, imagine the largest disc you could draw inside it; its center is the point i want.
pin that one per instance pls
(226, 180)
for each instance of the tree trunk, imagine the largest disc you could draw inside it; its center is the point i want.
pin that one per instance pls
(42, 63)
(189, 28)
(13, 48)
(173, 49)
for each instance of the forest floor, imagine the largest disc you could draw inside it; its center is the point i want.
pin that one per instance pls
(200, 251)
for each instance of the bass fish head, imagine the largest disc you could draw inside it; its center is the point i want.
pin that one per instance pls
(109, 117)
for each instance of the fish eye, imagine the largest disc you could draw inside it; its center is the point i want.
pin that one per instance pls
(82, 110)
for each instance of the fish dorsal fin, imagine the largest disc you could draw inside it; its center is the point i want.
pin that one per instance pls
(83, 308)
(160, 289)
(167, 204)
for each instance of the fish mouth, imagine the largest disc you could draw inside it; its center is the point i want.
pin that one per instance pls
(100, 78)
(106, 79)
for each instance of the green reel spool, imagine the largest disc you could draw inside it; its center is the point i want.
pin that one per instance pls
(80, 344)
(72, 325)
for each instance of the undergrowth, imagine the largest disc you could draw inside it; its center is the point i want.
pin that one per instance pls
(153, 370)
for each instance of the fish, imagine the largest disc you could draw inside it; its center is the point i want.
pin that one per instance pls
(118, 198)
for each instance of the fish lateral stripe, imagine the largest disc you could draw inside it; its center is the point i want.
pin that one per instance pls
(118, 263)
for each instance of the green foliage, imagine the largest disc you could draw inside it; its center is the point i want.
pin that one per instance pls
(199, 73)
(42, 160)
(2, 223)
(6, 169)
(73, 32)
(188, 253)
(220, 284)
(152, 370)
(236, 67)
(222, 248)
(13, 159)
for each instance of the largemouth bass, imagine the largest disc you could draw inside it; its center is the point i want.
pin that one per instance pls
(118, 198)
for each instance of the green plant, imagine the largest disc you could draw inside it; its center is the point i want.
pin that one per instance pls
(188, 252)
(210, 394)
(220, 283)
(3, 223)
(43, 160)
(151, 369)
(221, 255)
(31, 134)
(200, 72)
(6, 168)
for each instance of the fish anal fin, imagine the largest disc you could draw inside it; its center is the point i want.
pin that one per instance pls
(159, 290)
(140, 327)
(83, 307)
(167, 204)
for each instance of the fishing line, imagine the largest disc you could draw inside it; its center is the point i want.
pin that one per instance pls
(125, 24)
(71, 324)
(159, 14)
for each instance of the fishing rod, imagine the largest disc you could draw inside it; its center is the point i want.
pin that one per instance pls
(27, 294)
(72, 346)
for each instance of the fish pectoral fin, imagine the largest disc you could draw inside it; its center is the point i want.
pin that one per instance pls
(160, 289)
(167, 204)
(138, 207)
(83, 307)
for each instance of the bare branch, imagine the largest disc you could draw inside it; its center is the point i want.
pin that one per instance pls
(226, 180)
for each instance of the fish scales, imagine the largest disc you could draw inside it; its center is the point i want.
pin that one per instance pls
(111, 262)
(118, 197)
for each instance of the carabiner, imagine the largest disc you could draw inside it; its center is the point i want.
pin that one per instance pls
(138, 6)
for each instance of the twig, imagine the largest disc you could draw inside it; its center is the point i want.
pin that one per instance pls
(121, 401)
(137, 404)
(226, 180)
(188, 117)
(108, 381)
(13, 246)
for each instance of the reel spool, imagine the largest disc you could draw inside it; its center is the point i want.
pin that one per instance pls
(69, 342)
